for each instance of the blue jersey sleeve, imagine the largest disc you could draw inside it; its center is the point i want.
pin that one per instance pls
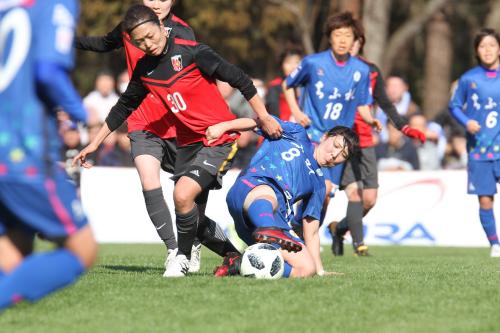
(300, 76)
(459, 96)
(55, 31)
(314, 205)
(458, 101)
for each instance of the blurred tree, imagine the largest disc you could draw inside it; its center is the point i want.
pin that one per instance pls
(438, 59)
(376, 14)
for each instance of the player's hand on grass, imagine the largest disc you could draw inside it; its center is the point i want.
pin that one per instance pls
(324, 273)
(271, 127)
(413, 133)
(214, 132)
(82, 156)
(473, 126)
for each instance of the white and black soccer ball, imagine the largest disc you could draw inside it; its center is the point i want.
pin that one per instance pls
(262, 261)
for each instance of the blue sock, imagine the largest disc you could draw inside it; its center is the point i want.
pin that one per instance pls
(2, 274)
(487, 219)
(261, 213)
(287, 271)
(39, 275)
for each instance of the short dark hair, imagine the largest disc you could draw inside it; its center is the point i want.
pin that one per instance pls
(481, 35)
(137, 15)
(341, 20)
(351, 139)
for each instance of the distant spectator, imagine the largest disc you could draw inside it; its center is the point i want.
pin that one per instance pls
(103, 97)
(122, 82)
(397, 90)
(431, 153)
(70, 148)
(275, 100)
(456, 153)
(116, 149)
(398, 154)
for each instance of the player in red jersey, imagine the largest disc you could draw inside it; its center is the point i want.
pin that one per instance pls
(152, 137)
(360, 177)
(182, 75)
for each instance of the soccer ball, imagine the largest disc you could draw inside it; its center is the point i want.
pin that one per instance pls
(262, 261)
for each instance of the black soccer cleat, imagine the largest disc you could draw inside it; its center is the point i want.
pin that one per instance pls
(337, 240)
(273, 235)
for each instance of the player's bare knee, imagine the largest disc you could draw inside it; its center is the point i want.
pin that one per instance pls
(84, 246)
(184, 202)
(10, 256)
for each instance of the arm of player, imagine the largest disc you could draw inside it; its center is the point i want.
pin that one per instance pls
(213, 65)
(55, 89)
(366, 113)
(380, 97)
(81, 157)
(312, 241)
(111, 41)
(457, 102)
(214, 132)
(291, 99)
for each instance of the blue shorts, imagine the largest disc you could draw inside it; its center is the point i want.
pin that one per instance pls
(236, 198)
(483, 177)
(49, 207)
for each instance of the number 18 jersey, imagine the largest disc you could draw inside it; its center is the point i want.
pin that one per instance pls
(333, 90)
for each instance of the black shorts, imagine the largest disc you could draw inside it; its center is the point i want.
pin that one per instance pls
(362, 168)
(147, 143)
(206, 165)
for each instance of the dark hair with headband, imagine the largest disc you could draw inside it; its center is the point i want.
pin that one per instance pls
(138, 15)
(351, 139)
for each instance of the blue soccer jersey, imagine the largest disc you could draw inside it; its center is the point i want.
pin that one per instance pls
(478, 95)
(289, 164)
(332, 90)
(31, 32)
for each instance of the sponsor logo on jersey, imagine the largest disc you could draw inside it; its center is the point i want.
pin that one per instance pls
(320, 72)
(195, 172)
(177, 62)
(473, 85)
(357, 76)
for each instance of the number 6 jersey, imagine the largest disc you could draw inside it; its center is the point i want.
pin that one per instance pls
(478, 95)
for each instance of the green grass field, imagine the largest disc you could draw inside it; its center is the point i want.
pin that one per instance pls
(399, 289)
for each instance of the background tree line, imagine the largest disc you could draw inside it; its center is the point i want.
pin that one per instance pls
(429, 42)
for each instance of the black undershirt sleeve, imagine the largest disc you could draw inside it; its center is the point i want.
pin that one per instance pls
(129, 100)
(380, 97)
(111, 41)
(213, 65)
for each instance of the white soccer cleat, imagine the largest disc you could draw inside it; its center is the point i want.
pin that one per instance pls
(170, 257)
(178, 267)
(194, 263)
(495, 251)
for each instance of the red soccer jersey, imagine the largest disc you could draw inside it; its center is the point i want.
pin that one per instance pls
(183, 79)
(150, 115)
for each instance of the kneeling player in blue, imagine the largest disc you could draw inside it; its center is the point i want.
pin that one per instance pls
(36, 195)
(281, 173)
(475, 105)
